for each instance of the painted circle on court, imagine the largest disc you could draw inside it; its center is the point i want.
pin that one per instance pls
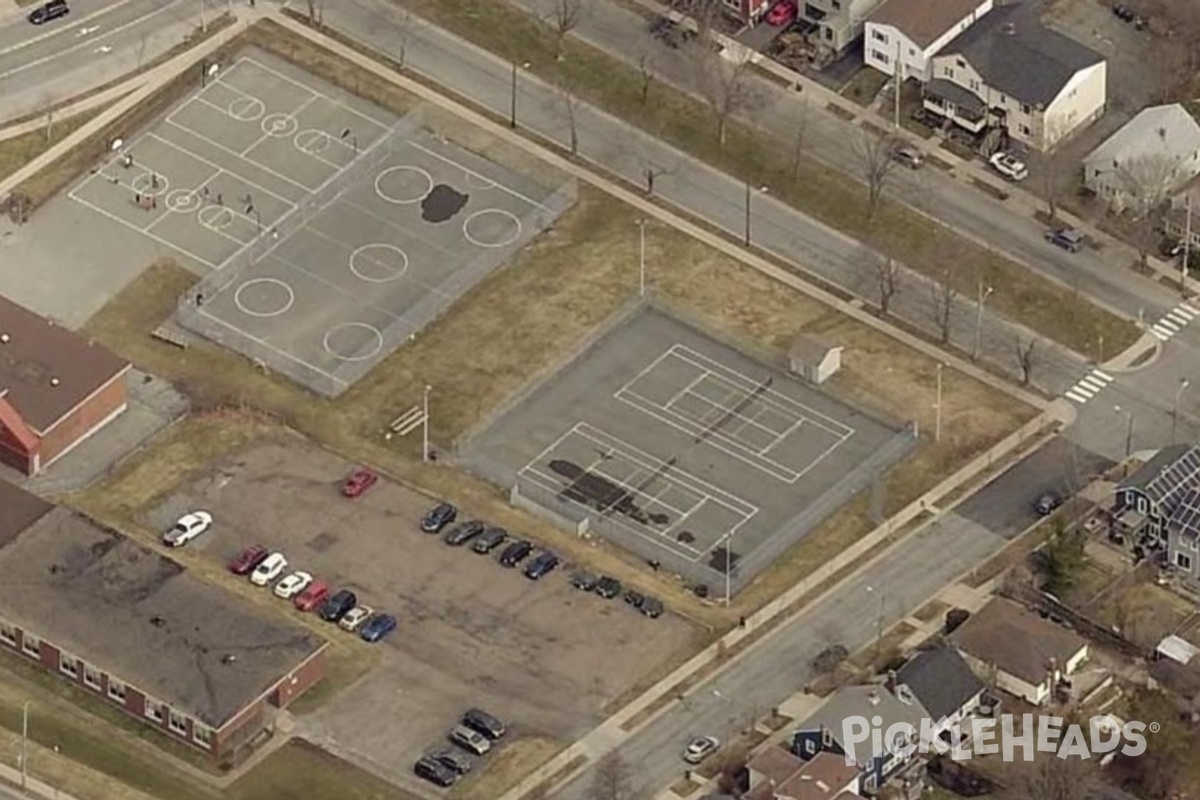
(280, 125)
(149, 184)
(246, 109)
(312, 141)
(492, 227)
(349, 338)
(215, 217)
(403, 185)
(476, 181)
(183, 201)
(264, 297)
(378, 263)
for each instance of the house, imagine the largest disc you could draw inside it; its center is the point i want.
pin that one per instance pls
(943, 683)
(814, 359)
(823, 732)
(748, 11)
(1022, 653)
(1009, 73)
(910, 33)
(128, 625)
(1182, 220)
(836, 24)
(1147, 160)
(776, 774)
(56, 389)
(1146, 499)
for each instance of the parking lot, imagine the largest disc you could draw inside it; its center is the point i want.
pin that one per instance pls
(542, 655)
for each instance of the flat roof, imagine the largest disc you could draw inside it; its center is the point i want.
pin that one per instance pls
(143, 618)
(47, 370)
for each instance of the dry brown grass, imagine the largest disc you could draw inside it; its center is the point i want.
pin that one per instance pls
(496, 775)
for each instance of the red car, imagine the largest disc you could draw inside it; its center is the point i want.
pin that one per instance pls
(249, 558)
(313, 596)
(359, 481)
(782, 13)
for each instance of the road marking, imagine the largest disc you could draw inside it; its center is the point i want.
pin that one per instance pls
(1178, 316)
(1162, 333)
(1089, 386)
(1076, 397)
(1092, 383)
(1102, 375)
(1083, 389)
(1187, 311)
(1169, 324)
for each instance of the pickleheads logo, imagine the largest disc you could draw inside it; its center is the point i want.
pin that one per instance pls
(997, 736)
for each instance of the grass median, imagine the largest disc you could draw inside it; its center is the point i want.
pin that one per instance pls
(1022, 295)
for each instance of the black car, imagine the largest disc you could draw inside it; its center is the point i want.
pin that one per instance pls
(460, 763)
(1068, 239)
(464, 533)
(479, 720)
(489, 540)
(542, 565)
(515, 553)
(438, 517)
(585, 581)
(435, 772)
(652, 607)
(52, 10)
(635, 598)
(1047, 503)
(607, 587)
(338, 606)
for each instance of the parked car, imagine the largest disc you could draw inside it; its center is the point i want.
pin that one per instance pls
(293, 585)
(909, 156)
(187, 528)
(358, 482)
(470, 740)
(1124, 12)
(607, 587)
(460, 763)
(489, 540)
(313, 596)
(515, 553)
(463, 533)
(1068, 239)
(355, 617)
(585, 581)
(700, 747)
(635, 598)
(651, 607)
(377, 627)
(48, 11)
(1047, 503)
(268, 569)
(543, 565)
(438, 517)
(338, 606)
(248, 559)
(1009, 166)
(782, 13)
(435, 772)
(479, 720)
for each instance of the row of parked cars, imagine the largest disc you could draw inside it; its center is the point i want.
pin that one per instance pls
(476, 733)
(484, 539)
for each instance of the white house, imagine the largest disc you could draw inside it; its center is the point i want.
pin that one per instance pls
(1007, 71)
(912, 32)
(1147, 160)
(836, 24)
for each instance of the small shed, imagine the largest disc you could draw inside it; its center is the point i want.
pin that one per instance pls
(814, 359)
(1177, 649)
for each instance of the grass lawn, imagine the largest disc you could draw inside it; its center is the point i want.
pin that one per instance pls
(302, 770)
(497, 774)
(20, 150)
(825, 194)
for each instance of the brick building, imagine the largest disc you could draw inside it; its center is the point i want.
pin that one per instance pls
(56, 388)
(135, 628)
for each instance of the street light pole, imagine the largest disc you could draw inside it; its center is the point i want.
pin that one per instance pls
(878, 621)
(1128, 430)
(747, 237)
(937, 417)
(24, 744)
(425, 423)
(984, 294)
(1183, 384)
(641, 257)
(512, 111)
(728, 568)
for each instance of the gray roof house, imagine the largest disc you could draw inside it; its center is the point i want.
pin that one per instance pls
(1009, 71)
(1150, 158)
(942, 682)
(1146, 499)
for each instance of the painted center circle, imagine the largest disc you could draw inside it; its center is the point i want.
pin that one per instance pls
(312, 141)
(492, 227)
(246, 109)
(264, 297)
(353, 341)
(378, 263)
(403, 185)
(280, 125)
(183, 200)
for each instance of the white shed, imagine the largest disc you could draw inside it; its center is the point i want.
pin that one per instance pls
(815, 359)
(1177, 649)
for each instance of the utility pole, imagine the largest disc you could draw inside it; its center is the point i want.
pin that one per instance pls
(512, 111)
(641, 257)
(1183, 384)
(747, 238)
(898, 83)
(1128, 433)
(984, 294)
(1187, 247)
(425, 423)
(728, 568)
(25, 745)
(937, 418)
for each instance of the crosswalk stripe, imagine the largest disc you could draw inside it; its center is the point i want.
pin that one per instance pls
(1086, 391)
(1092, 383)
(1077, 398)
(1175, 315)
(1170, 325)
(1102, 375)
(1187, 311)
(1161, 334)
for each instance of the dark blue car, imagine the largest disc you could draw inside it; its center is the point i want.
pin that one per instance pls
(377, 627)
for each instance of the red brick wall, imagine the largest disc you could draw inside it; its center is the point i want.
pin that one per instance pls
(79, 423)
(300, 680)
(12, 454)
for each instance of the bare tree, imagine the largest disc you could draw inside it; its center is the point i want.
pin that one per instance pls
(800, 137)
(873, 157)
(47, 105)
(571, 104)
(1026, 357)
(723, 85)
(887, 280)
(1050, 778)
(1051, 170)
(732, 765)
(316, 12)
(610, 779)
(565, 17)
(646, 74)
(1143, 185)
(943, 294)
(141, 51)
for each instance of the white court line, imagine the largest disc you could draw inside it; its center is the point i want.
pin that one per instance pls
(480, 176)
(293, 115)
(774, 442)
(336, 288)
(144, 231)
(308, 189)
(685, 389)
(374, 122)
(257, 187)
(722, 409)
(626, 490)
(270, 346)
(407, 233)
(405, 277)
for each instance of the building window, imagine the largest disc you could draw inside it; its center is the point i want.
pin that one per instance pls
(202, 735)
(31, 645)
(154, 710)
(1025, 130)
(8, 634)
(837, 5)
(91, 677)
(948, 71)
(68, 665)
(178, 723)
(879, 35)
(1183, 561)
(1025, 108)
(116, 690)
(879, 56)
